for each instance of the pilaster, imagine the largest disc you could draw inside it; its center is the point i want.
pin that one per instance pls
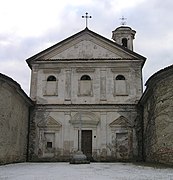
(103, 84)
(68, 85)
(34, 79)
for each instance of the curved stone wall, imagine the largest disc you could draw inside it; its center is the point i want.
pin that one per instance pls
(157, 105)
(14, 116)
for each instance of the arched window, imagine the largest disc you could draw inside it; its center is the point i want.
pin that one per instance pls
(51, 86)
(51, 78)
(124, 42)
(85, 77)
(120, 77)
(120, 86)
(85, 86)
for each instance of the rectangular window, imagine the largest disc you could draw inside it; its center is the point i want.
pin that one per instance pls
(49, 144)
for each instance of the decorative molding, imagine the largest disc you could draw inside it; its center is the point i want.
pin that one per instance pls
(82, 70)
(120, 69)
(67, 113)
(103, 113)
(88, 119)
(120, 121)
(49, 124)
(35, 68)
(52, 70)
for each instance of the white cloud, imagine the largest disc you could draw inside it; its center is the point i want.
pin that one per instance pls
(123, 4)
(35, 17)
(19, 71)
(29, 26)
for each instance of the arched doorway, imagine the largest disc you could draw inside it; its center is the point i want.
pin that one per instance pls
(86, 122)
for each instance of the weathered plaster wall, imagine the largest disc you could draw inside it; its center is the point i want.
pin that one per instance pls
(157, 104)
(92, 56)
(107, 99)
(113, 133)
(14, 115)
(104, 86)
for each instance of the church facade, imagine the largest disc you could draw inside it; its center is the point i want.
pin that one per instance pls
(89, 83)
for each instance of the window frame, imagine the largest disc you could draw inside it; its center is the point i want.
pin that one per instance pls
(84, 80)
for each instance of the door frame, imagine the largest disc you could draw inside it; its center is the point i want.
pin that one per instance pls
(89, 155)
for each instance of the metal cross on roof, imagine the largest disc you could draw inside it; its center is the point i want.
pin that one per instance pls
(123, 20)
(86, 18)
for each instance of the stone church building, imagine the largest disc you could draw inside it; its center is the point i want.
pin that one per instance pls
(87, 93)
(86, 81)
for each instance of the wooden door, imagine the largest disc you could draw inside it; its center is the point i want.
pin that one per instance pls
(86, 145)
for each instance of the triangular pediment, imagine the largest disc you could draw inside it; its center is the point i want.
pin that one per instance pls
(120, 121)
(85, 119)
(50, 122)
(85, 45)
(85, 50)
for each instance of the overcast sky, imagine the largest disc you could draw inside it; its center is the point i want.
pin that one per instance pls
(29, 26)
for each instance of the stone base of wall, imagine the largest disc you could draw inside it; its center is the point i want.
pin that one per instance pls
(11, 159)
(163, 155)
